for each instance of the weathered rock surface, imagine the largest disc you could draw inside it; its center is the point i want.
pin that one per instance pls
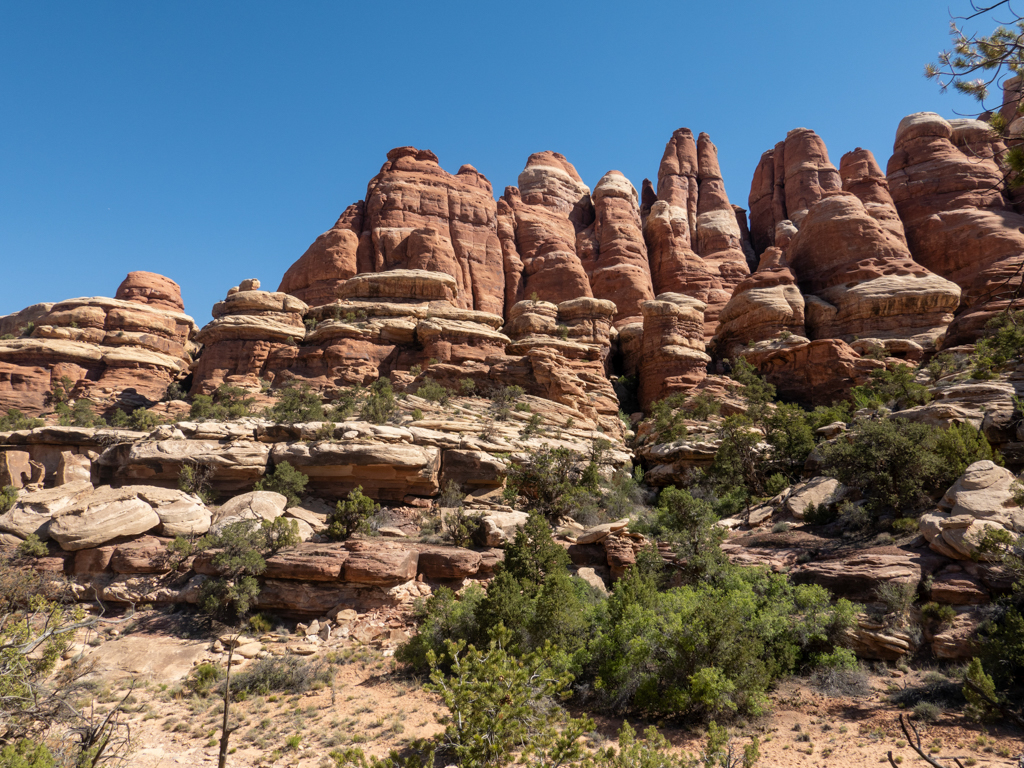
(333, 258)
(815, 373)
(618, 267)
(765, 306)
(673, 356)
(957, 221)
(538, 224)
(979, 501)
(113, 350)
(254, 335)
(693, 236)
(101, 516)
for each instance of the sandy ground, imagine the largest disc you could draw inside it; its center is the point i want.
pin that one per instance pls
(376, 705)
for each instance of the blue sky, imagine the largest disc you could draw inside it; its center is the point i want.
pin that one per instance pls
(212, 142)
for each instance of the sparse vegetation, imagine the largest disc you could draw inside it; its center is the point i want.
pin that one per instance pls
(286, 480)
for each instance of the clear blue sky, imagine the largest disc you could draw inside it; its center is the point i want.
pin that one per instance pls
(212, 142)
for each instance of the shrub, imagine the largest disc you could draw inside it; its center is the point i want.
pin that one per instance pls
(417, 414)
(703, 405)
(503, 400)
(937, 612)
(261, 623)
(281, 674)
(897, 596)
(296, 403)
(80, 414)
(532, 427)
(140, 420)
(467, 387)
(286, 480)
(669, 416)
(434, 392)
(892, 462)
(690, 524)
(926, 711)
(203, 678)
(379, 405)
(239, 555)
(555, 481)
(16, 420)
(174, 391)
(820, 514)
(195, 478)
(958, 447)
(350, 514)
(459, 527)
(27, 753)
(33, 546)
(225, 403)
(894, 388)
(8, 497)
(709, 648)
(1004, 344)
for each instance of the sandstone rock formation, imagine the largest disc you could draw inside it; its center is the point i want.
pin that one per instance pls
(152, 289)
(692, 216)
(332, 259)
(763, 307)
(115, 351)
(542, 217)
(617, 264)
(253, 335)
(957, 220)
(860, 280)
(980, 500)
(673, 356)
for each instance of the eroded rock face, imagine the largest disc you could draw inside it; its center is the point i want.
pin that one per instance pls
(815, 373)
(254, 334)
(124, 351)
(617, 264)
(673, 356)
(979, 501)
(765, 306)
(419, 216)
(788, 180)
(720, 240)
(957, 221)
(538, 226)
(332, 259)
(866, 284)
(152, 289)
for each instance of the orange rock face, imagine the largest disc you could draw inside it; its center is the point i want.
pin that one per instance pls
(538, 226)
(817, 373)
(788, 180)
(617, 261)
(332, 259)
(957, 221)
(115, 351)
(152, 289)
(416, 216)
(694, 239)
(673, 356)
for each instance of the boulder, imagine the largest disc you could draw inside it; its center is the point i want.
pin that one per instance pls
(308, 562)
(449, 563)
(101, 516)
(372, 563)
(147, 554)
(982, 499)
(497, 528)
(818, 490)
(255, 505)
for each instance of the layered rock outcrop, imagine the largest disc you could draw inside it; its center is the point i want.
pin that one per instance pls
(957, 220)
(114, 351)
(767, 306)
(613, 251)
(333, 258)
(672, 356)
(693, 236)
(538, 224)
(254, 335)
